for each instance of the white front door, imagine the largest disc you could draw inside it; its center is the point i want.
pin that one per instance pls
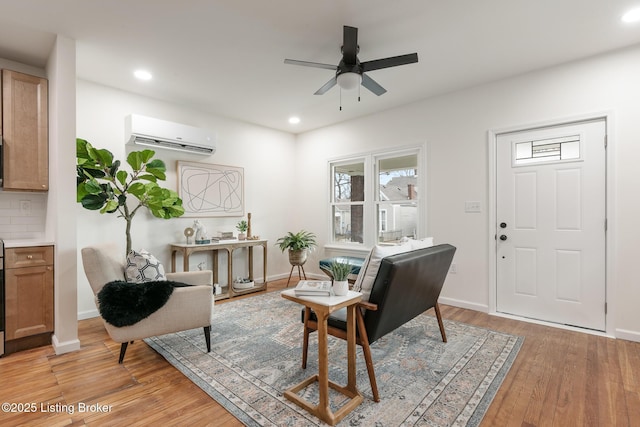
(551, 224)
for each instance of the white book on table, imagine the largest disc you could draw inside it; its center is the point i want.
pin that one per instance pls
(313, 288)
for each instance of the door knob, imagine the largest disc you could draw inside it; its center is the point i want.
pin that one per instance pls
(503, 237)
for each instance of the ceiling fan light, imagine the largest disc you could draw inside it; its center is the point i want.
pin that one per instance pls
(348, 81)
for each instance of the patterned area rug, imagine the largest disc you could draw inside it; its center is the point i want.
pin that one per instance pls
(256, 354)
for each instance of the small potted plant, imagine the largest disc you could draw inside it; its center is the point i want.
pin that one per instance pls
(340, 272)
(298, 244)
(242, 228)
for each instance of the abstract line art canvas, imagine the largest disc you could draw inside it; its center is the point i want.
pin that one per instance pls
(209, 190)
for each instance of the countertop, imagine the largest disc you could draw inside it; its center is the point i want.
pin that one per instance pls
(25, 243)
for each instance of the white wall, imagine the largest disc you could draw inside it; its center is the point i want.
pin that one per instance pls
(266, 155)
(455, 128)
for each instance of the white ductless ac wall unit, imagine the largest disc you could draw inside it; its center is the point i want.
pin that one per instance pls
(156, 133)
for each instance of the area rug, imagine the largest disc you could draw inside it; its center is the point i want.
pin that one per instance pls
(256, 355)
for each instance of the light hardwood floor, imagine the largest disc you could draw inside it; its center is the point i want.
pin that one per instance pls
(560, 378)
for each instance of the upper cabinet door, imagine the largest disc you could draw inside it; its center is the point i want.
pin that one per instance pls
(25, 132)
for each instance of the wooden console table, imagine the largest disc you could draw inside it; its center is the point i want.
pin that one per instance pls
(228, 291)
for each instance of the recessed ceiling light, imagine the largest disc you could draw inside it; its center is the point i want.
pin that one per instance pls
(294, 120)
(142, 74)
(632, 16)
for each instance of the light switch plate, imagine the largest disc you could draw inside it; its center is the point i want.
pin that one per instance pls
(472, 207)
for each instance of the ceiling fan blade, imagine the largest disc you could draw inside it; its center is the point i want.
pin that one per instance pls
(372, 85)
(350, 45)
(328, 85)
(310, 64)
(393, 61)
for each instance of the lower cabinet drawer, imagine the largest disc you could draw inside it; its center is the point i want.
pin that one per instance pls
(28, 256)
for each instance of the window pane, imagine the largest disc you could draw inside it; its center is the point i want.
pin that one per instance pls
(398, 178)
(397, 220)
(397, 186)
(565, 148)
(348, 182)
(348, 223)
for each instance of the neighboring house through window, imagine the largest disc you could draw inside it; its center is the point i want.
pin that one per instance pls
(375, 198)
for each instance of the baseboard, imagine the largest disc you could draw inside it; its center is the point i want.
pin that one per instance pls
(89, 314)
(463, 304)
(552, 325)
(64, 347)
(315, 276)
(628, 335)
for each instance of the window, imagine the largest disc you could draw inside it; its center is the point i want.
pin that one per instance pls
(348, 201)
(565, 148)
(375, 198)
(397, 201)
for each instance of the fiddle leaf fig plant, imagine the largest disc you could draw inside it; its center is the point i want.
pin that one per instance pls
(103, 186)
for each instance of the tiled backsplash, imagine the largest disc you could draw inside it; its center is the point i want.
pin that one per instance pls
(22, 215)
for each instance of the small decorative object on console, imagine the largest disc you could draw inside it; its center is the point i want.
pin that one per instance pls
(242, 228)
(201, 233)
(188, 232)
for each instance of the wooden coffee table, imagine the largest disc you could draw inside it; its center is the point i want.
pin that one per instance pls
(323, 306)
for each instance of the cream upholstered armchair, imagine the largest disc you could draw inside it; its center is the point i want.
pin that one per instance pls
(188, 307)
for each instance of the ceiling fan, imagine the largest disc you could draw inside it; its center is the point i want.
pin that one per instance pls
(350, 72)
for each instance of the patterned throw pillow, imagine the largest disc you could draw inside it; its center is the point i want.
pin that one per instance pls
(143, 267)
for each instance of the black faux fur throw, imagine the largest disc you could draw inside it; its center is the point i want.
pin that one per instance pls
(125, 303)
